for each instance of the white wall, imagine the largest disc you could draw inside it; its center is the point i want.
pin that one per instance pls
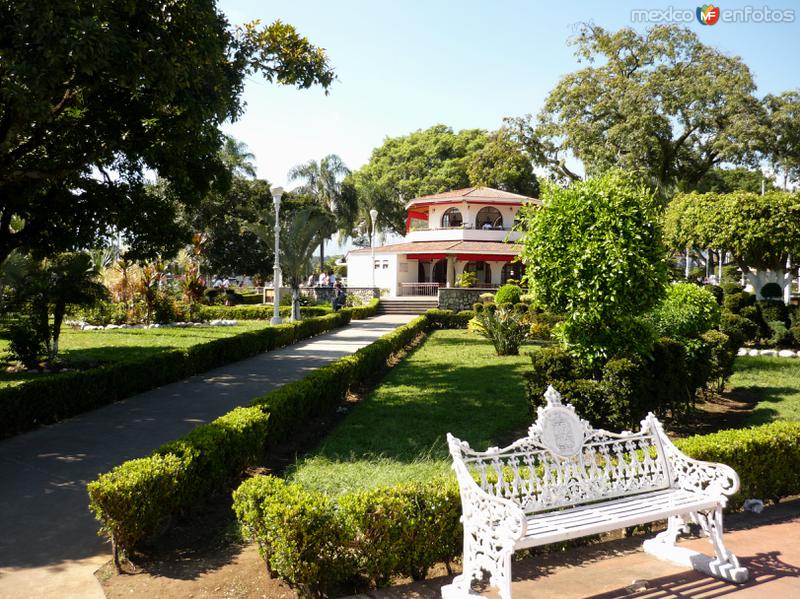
(359, 271)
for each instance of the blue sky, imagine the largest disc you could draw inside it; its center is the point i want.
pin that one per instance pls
(408, 65)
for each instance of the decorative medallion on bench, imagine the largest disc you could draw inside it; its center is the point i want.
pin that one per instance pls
(567, 480)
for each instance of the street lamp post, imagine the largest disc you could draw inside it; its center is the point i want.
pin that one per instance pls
(373, 214)
(277, 192)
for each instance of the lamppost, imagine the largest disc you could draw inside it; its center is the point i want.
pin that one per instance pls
(373, 214)
(277, 192)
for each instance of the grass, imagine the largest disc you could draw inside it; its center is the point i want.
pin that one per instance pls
(773, 382)
(86, 349)
(453, 383)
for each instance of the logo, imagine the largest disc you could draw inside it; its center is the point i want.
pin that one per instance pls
(708, 14)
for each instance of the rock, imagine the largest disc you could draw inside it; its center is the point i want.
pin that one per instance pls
(787, 353)
(742, 351)
(768, 352)
(753, 352)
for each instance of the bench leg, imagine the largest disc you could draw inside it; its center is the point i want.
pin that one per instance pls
(725, 565)
(481, 555)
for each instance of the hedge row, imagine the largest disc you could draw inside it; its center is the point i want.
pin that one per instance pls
(366, 311)
(137, 500)
(47, 400)
(257, 312)
(315, 542)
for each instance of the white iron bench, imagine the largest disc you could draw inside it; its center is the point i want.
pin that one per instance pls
(567, 480)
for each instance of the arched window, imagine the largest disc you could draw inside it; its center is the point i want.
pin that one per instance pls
(483, 273)
(513, 271)
(452, 218)
(489, 218)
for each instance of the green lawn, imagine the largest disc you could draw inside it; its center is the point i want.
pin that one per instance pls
(453, 383)
(90, 348)
(774, 381)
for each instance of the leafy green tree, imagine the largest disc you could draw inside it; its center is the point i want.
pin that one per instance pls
(594, 252)
(303, 228)
(95, 95)
(727, 180)
(660, 103)
(783, 145)
(323, 181)
(435, 160)
(760, 232)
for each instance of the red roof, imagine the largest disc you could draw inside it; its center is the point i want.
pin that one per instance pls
(473, 194)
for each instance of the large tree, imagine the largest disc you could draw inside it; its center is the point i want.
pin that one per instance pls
(661, 103)
(760, 232)
(94, 95)
(438, 159)
(783, 137)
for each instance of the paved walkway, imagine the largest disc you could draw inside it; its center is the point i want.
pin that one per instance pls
(48, 541)
(768, 544)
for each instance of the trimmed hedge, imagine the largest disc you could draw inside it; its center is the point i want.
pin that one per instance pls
(179, 474)
(257, 312)
(368, 310)
(314, 542)
(43, 401)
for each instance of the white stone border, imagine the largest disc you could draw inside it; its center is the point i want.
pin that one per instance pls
(85, 326)
(779, 353)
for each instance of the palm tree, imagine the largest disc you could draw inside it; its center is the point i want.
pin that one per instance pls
(323, 181)
(301, 232)
(237, 158)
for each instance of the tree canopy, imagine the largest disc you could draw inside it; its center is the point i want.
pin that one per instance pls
(595, 253)
(759, 231)
(783, 141)
(438, 159)
(727, 180)
(660, 103)
(95, 95)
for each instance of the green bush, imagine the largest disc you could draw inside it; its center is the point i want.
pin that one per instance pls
(508, 293)
(765, 458)
(781, 336)
(363, 311)
(447, 319)
(27, 342)
(315, 543)
(506, 327)
(723, 350)
(686, 312)
(772, 311)
(795, 331)
(772, 291)
(256, 312)
(738, 328)
(298, 532)
(47, 400)
(717, 292)
(734, 302)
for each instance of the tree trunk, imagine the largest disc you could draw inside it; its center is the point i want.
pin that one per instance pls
(760, 277)
(295, 303)
(322, 257)
(58, 318)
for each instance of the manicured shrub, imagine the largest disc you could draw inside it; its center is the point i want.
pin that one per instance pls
(362, 311)
(256, 312)
(447, 319)
(508, 293)
(765, 458)
(298, 532)
(686, 312)
(738, 328)
(772, 291)
(388, 531)
(731, 287)
(734, 302)
(781, 336)
(795, 331)
(722, 349)
(772, 311)
(717, 292)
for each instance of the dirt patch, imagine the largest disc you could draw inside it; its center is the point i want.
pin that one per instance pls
(716, 412)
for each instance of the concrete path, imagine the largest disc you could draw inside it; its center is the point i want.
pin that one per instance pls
(48, 541)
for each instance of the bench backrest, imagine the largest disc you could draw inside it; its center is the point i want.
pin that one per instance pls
(564, 461)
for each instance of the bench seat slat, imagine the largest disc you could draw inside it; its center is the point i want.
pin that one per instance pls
(581, 521)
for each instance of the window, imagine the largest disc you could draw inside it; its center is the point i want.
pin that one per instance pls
(483, 273)
(385, 264)
(489, 218)
(452, 218)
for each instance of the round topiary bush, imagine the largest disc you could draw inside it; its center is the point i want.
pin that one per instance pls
(771, 291)
(688, 311)
(772, 311)
(508, 293)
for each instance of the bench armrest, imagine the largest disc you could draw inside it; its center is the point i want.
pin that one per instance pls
(697, 475)
(488, 515)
